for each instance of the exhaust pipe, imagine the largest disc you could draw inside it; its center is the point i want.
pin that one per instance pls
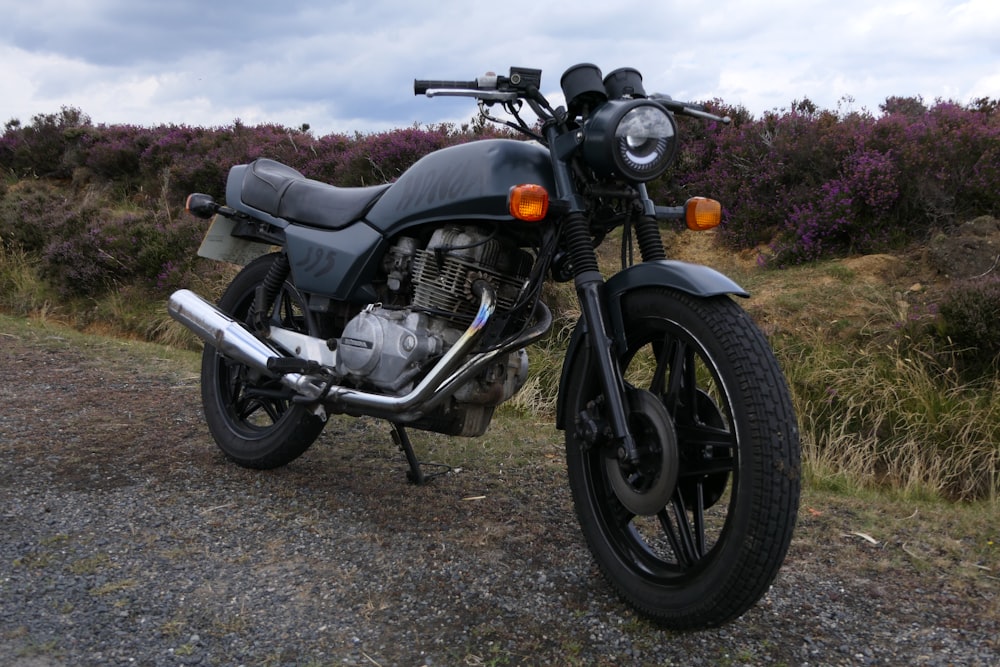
(216, 328)
(233, 340)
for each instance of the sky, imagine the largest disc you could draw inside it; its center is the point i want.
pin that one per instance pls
(345, 66)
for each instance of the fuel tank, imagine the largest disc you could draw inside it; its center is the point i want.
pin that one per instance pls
(465, 182)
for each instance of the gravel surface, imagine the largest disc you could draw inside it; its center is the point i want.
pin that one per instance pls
(127, 539)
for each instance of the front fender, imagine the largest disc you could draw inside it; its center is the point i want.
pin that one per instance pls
(694, 279)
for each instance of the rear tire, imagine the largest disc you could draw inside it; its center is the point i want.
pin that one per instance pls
(251, 416)
(716, 546)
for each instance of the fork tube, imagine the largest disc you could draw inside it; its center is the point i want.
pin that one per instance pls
(590, 291)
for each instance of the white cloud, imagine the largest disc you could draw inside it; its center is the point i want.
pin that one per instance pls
(349, 66)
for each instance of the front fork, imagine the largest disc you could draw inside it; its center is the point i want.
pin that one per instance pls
(590, 288)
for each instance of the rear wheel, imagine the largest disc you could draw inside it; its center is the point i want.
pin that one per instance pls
(725, 438)
(251, 415)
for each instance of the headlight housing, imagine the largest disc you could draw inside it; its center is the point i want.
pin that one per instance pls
(631, 139)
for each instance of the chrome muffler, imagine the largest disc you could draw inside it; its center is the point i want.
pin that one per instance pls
(216, 328)
(232, 339)
(235, 341)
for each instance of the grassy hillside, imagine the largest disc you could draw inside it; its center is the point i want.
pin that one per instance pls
(828, 218)
(881, 400)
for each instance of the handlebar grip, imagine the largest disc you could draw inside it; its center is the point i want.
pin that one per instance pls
(421, 86)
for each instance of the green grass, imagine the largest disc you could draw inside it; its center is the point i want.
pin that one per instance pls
(878, 403)
(894, 415)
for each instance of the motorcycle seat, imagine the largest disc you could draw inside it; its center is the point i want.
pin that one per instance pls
(282, 191)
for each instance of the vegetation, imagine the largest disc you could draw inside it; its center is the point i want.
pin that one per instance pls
(897, 390)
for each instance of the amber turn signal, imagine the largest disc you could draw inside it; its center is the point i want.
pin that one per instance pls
(528, 202)
(702, 213)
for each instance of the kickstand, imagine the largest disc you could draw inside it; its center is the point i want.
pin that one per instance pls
(402, 440)
(415, 474)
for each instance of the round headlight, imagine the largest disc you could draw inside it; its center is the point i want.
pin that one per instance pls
(633, 139)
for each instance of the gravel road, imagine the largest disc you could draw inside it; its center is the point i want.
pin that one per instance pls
(128, 540)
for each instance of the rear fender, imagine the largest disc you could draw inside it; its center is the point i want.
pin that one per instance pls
(694, 279)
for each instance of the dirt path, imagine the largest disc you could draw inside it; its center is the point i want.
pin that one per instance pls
(128, 539)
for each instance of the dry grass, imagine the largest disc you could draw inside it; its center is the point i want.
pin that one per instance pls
(878, 406)
(881, 417)
(22, 292)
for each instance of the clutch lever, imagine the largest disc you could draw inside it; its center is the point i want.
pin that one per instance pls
(688, 109)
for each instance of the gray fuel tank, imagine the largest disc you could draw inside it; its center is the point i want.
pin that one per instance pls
(465, 182)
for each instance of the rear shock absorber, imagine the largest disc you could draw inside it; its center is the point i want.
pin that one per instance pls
(268, 292)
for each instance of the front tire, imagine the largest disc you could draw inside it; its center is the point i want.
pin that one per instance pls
(251, 416)
(715, 547)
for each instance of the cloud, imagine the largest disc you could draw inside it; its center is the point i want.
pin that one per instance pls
(349, 66)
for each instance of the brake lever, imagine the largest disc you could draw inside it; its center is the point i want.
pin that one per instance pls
(486, 95)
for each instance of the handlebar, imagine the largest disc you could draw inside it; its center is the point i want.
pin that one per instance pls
(499, 88)
(421, 86)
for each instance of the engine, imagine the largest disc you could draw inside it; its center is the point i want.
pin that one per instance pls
(389, 348)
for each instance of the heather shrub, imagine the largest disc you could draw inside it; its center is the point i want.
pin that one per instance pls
(114, 153)
(947, 163)
(180, 160)
(383, 157)
(808, 183)
(820, 226)
(29, 214)
(71, 259)
(321, 158)
(970, 320)
(99, 249)
(47, 147)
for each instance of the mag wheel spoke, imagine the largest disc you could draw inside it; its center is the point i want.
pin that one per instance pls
(261, 409)
(685, 534)
(674, 376)
(702, 469)
(705, 437)
(699, 520)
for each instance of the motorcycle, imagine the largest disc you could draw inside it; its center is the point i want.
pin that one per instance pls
(414, 302)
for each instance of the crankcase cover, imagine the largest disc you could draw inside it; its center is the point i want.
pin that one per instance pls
(385, 347)
(360, 344)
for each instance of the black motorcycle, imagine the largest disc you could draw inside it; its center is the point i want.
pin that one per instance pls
(413, 302)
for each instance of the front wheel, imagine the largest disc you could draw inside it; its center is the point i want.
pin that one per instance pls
(252, 416)
(703, 551)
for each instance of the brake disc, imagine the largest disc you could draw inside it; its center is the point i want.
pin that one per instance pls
(645, 488)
